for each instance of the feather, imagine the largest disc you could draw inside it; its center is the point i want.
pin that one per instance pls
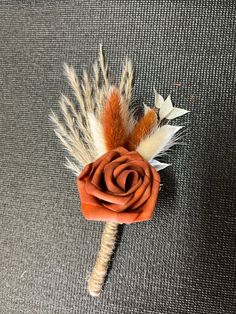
(113, 125)
(158, 142)
(97, 134)
(158, 165)
(142, 128)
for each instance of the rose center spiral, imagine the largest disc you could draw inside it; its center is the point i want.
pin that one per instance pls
(126, 179)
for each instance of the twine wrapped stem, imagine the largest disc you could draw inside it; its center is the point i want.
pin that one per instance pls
(98, 275)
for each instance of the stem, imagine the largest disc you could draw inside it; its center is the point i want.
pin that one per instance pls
(97, 277)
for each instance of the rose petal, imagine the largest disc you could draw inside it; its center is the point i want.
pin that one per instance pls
(131, 165)
(104, 200)
(86, 171)
(134, 197)
(131, 190)
(147, 208)
(143, 198)
(129, 156)
(123, 177)
(121, 150)
(100, 213)
(97, 171)
(108, 177)
(103, 196)
(111, 185)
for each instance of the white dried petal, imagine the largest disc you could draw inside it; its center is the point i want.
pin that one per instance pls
(166, 108)
(159, 100)
(158, 165)
(175, 113)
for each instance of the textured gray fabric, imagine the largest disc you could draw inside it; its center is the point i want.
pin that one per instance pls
(183, 261)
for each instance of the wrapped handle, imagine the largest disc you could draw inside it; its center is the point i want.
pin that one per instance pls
(98, 275)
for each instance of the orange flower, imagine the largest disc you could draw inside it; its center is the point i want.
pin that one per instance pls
(120, 186)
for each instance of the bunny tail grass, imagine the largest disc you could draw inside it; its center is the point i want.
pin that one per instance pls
(116, 134)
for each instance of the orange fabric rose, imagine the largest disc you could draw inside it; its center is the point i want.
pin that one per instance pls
(120, 186)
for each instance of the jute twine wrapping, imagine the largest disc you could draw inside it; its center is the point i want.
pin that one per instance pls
(98, 275)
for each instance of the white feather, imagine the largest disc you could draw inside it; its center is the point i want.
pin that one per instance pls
(158, 165)
(158, 142)
(97, 134)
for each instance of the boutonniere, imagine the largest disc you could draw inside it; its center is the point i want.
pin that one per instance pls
(114, 155)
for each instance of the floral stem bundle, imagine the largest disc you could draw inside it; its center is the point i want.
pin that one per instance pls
(113, 153)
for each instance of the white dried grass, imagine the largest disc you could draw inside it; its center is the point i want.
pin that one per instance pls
(126, 92)
(74, 167)
(75, 130)
(103, 66)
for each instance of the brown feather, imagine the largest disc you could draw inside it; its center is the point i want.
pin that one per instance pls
(115, 130)
(142, 129)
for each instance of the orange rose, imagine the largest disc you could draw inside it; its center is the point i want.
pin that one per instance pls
(120, 186)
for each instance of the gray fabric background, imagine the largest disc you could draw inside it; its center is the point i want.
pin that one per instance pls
(183, 261)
